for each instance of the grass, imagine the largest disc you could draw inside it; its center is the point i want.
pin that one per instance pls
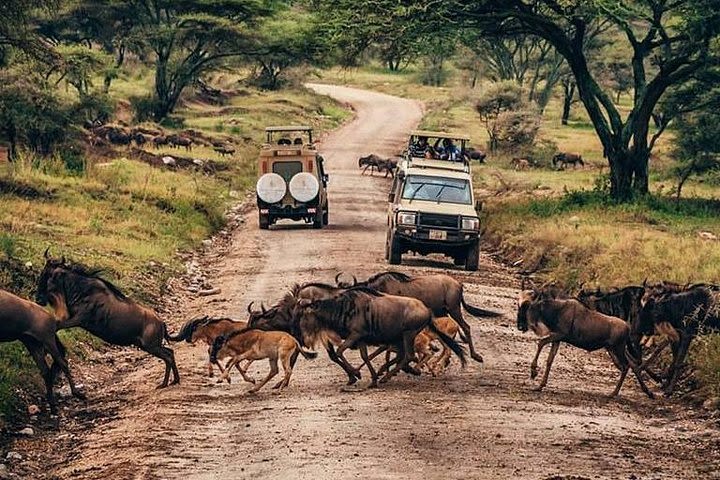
(130, 218)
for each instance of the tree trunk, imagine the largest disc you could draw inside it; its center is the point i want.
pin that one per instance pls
(628, 175)
(569, 93)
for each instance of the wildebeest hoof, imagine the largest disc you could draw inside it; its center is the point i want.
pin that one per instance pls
(412, 370)
(80, 395)
(533, 372)
(538, 388)
(477, 357)
(161, 386)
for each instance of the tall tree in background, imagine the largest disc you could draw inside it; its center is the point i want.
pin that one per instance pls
(670, 41)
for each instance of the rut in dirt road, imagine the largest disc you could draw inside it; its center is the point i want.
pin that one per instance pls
(482, 422)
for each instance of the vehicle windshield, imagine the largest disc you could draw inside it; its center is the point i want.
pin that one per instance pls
(287, 170)
(437, 189)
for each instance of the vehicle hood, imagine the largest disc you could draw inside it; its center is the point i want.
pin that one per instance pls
(434, 207)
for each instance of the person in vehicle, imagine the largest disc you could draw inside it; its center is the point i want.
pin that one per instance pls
(284, 141)
(420, 148)
(447, 150)
(298, 141)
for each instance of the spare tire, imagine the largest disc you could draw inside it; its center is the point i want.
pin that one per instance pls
(304, 187)
(271, 188)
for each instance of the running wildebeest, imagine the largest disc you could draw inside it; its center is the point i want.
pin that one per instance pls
(563, 159)
(681, 316)
(281, 317)
(441, 293)
(207, 329)
(572, 322)
(252, 344)
(473, 154)
(362, 316)
(81, 298)
(371, 161)
(35, 328)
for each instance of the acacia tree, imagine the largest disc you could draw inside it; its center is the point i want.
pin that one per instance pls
(670, 41)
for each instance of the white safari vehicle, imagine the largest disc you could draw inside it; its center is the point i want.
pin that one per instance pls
(292, 181)
(432, 208)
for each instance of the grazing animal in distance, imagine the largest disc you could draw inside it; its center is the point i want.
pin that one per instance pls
(80, 297)
(159, 141)
(473, 154)
(138, 138)
(441, 293)
(363, 316)
(206, 329)
(572, 322)
(177, 141)
(252, 344)
(35, 328)
(563, 159)
(224, 150)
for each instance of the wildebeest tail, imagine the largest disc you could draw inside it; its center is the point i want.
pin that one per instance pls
(217, 345)
(478, 312)
(450, 342)
(186, 330)
(308, 354)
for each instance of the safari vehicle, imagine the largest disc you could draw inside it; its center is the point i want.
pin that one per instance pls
(443, 146)
(292, 181)
(433, 210)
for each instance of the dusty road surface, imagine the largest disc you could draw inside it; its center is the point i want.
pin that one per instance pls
(483, 422)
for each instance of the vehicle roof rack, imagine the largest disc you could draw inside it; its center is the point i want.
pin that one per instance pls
(289, 128)
(434, 164)
(428, 133)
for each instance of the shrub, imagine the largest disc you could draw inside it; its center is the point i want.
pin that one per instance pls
(143, 107)
(516, 129)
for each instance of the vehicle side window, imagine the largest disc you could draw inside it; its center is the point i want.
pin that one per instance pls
(287, 170)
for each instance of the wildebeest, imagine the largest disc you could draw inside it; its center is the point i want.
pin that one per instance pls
(281, 317)
(177, 141)
(473, 154)
(371, 161)
(252, 344)
(681, 316)
(572, 322)
(159, 141)
(441, 293)
(425, 350)
(362, 316)
(563, 159)
(35, 328)
(224, 150)
(81, 298)
(118, 137)
(206, 329)
(520, 163)
(138, 138)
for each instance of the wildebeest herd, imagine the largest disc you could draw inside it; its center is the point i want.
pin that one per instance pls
(401, 316)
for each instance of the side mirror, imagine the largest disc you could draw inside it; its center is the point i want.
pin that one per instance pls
(391, 197)
(478, 206)
(326, 178)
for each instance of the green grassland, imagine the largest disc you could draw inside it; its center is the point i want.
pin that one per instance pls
(128, 217)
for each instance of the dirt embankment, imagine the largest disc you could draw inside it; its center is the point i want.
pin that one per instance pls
(482, 422)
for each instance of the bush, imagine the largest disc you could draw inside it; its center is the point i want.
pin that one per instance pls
(705, 354)
(173, 121)
(516, 129)
(143, 107)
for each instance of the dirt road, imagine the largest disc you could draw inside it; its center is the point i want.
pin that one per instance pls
(482, 422)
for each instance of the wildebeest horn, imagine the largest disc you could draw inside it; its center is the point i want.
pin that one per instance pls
(644, 284)
(522, 283)
(262, 307)
(250, 308)
(355, 282)
(337, 278)
(47, 253)
(62, 260)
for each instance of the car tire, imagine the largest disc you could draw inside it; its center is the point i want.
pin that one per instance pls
(318, 220)
(473, 257)
(264, 221)
(394, 253)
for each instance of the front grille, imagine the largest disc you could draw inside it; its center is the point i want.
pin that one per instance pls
(434, 220)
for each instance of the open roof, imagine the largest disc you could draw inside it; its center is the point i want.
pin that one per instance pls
(428, 133)
(289, 128)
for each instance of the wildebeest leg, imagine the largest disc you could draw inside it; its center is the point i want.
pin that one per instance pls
(243, 372)
(352, 373)
(366, 359)
(541, 344)
(365, 169)
(548, 365)
(638, 374)
(273, 371)
(409, 351)
(685, 339)
(618, 357)
(348, 343)
(647, 363)
(38, 354)
(59, 359)
(287, 368)
(457, 315)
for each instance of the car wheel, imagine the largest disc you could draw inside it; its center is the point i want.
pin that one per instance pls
(473, 257)
(318, 220)
(394, 253)
(264, 222)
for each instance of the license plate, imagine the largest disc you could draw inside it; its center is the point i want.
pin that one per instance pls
(437, 235)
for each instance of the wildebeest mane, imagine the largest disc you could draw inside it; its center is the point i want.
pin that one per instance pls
(400, 277)
(83, 287)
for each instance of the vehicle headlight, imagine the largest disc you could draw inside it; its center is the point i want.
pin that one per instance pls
(470, 223)
(406, 218)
